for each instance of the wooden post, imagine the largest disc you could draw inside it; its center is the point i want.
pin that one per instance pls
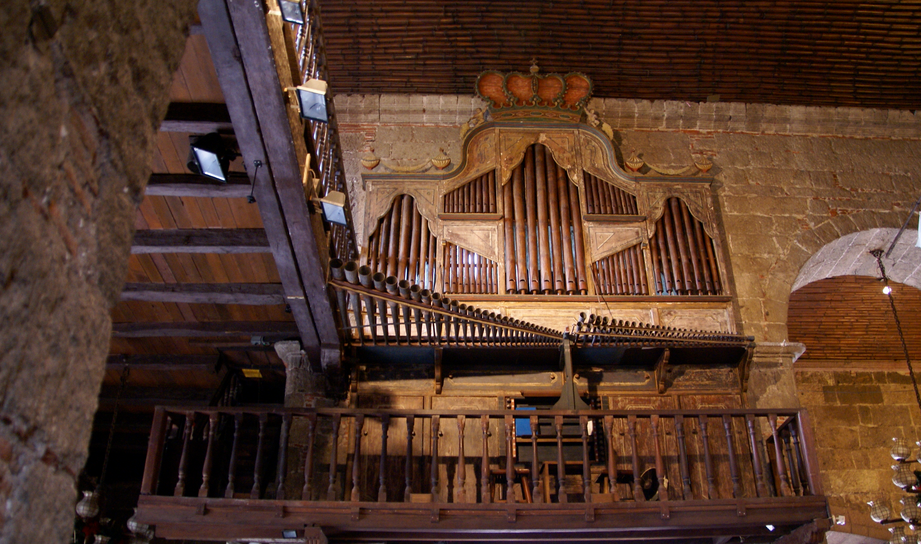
(206, 467)
(282, 464)
(333, 458)
(232, 465)
(260, 449)
(509, 460)
(631, 434)
(785, 489)
(307, 491)
(586, 468)
(460, 493)
(535, 473)
(410, 431)
(708, 460)
(683, 459)
(179, 490)
(356, 459)
(560, 461)
(485, 495)
(612, 465)
(660, 465)
(733, 464)
(155, 452)
(756, 456)
(434, 452)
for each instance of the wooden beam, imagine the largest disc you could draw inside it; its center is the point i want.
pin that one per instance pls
(306, 231)
(196, 118)
(225, 54)
(204, 293)
(237, 186)
(200, 241)
(272, 329)
(200, 363)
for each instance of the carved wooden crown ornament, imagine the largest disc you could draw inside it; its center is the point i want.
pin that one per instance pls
(518, 96)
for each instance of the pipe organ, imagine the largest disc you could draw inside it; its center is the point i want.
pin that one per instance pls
(402, 244)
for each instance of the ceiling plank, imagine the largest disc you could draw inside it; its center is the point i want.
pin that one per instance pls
(200, 241)
(201, 363)
(196, 118)
(237, 186)
(187, 329)
(218, 31)
(204, 293)
(305, 229)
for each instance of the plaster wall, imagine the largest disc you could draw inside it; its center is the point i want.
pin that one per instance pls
(83, 86)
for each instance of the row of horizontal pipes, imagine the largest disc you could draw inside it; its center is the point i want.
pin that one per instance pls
(476, 196)
(397, 312)
(597, 330)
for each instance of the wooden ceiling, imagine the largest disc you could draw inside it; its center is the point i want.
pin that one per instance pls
(848, 318)
(812, 52)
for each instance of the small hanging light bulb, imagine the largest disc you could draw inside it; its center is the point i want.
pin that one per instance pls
(887, 290)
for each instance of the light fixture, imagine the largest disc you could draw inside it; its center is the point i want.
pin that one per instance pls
(291, 12)
(769, 527)
(210, 156)
(903, 475)
(333, 206)
(311, 98)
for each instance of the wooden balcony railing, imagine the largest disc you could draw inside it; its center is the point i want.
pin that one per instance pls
(585, 463)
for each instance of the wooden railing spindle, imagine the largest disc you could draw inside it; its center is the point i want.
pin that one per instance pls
(333, 457)
(785, 489)
(509, 459)
(460, 492)
(733, 465)
(756, 457)
(232, 468)
(410, 432)
(434, 452)
(257, 470)
(356, 459)
(708, 460)
(586, 468)
(560, 462)
(612, 464)
(535, 465)
(307, 491)
(631, 433)
(683, 459)
(184, 456)
(282, 456)
(485, 496)
(209, 452)
(382, 470)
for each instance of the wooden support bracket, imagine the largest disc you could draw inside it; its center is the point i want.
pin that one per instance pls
(439, 377)
(356, 513)
(664, 511)
(662, 371)
(436, 515)
(745, 368)
(589, 514)
(512, 514)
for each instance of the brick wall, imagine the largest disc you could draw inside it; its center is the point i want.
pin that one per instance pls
(83, 86)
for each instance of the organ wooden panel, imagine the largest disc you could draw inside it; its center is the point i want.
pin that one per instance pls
(403, 245)
(602, 198)
(476, 196)
(683, 254)
(543, 228)
(468, 272)
(623, 273)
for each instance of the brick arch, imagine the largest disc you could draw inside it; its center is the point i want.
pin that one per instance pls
(784, 274)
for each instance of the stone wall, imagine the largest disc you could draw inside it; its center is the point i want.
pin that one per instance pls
(83, 86)
(856, 414)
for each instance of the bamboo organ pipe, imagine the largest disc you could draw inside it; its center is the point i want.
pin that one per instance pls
(508, 224)
(392, 246)
(413, 264)
(579, 242)
(562, 180)
(543, 223)
(680, 241)
(520, 230)
(530, 202)
(693, 251)
(406, 223)
(553, 203)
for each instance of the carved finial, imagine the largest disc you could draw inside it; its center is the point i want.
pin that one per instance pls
(442, 160)
(534, 67)
(634, 163)
(369, 160)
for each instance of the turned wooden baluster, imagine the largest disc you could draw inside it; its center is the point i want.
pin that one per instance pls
(460, 494)
(184, 456)
(560, 466)
(484, 463)
(231, 470)
(631, 434)
(434, 473)
(206, 468)
(257, 471)
(282, 465)
(307, 490)
(356, 459)
(333, 458)
(785, 488)
(798, 454)
(792, 468)
(708, 460)
(509, 460)
(382, 490)
(535, 465)
(660, 465)
(683, 459)
(408, 489)
(756, 457)
(612, 465)
(733, 465)
(586, 469)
